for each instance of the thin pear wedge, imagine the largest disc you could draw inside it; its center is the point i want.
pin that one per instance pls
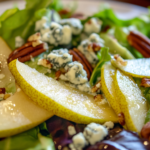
(132, 103)
(18, 113)
(136, 67)
(108, 87)
(61, 100)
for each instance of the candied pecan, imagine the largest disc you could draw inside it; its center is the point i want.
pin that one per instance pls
(121, 118)
(145, 132)
(145, 82)
(78, 56)
(140, 42)
(28, 51)
(45, 63)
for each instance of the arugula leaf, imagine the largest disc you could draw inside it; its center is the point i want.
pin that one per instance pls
(104, 57)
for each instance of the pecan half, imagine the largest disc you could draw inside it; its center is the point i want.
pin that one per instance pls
(140, 42)
(2, 90)
(29, 50)
(145, 132)
(145, 82)
(78, 56)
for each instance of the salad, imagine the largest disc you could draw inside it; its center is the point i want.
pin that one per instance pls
(96, 69)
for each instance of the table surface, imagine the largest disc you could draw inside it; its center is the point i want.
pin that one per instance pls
(144, 3)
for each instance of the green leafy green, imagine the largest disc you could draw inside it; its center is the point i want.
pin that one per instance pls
(115, 47)
(104, 57)
(147, 119)
(7, 14)
(22, 22)
(29, 140)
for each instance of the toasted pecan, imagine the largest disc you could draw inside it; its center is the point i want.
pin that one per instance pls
(26, 52)
(77, 57)
(140, 42)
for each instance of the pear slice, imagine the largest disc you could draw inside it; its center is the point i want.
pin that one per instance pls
(132, 103)
(17, 113)
(62, 100)
(136, 67)
(108, 87)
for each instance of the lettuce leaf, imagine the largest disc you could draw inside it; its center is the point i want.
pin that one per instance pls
(104, 56)
(21, 23)
(29, 140)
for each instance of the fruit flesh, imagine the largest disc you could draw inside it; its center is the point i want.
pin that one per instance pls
(17, 113)
(133, 104)
(107, 81)
(137, 67)
(58, 98)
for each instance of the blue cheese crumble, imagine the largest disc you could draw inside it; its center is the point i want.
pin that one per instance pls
(57, 34)
(79, 142)
(92, 26)
(90, 55)
(59, 58)
(95, 133)
(75, 24)
(75, 73)
(42, 24)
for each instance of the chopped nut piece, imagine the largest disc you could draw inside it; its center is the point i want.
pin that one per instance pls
(96, 87)
(45, 63)
(121, 118)
(94, 47)
(57, 74)
(145, 82)
(35, 37)
(98, 97)
(120, 60)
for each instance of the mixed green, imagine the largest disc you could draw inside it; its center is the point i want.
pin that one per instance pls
(15, 22)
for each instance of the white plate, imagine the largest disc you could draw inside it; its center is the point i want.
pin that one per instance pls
(123, 10)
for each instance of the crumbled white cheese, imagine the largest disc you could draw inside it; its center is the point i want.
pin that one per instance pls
(59, 58)
(108, 124)
(75, 24)
(19, 41)
(71, 130)
(58, 35)
(92, 26)
(42, 24)
(2, 76)
(90, 55)
(75, 73)
(95, 133)
(79, 141)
